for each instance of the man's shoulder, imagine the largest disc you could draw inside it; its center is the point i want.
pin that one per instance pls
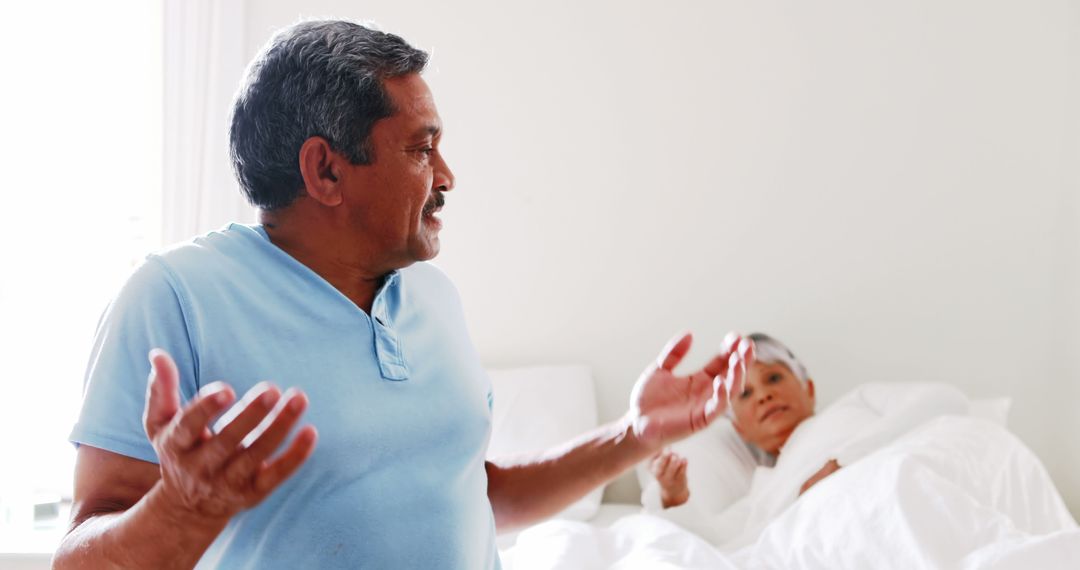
(426, 284)
(428, 275)
(230, 240)
(425, 270)
(218, 252)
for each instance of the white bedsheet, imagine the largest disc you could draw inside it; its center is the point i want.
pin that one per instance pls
(957, 492)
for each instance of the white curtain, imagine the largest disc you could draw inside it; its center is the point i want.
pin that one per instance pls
(204, 62)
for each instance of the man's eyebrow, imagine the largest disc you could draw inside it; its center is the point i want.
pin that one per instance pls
(427, 130)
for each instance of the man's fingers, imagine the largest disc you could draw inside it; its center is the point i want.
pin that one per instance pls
(718, 403)
(287, 463)
(717, 365)
(238, 422)
(195, 418)
(747, 351)
(244, 467)
(262, 443)
(674, 352)
(736, 378)
(162, 392)
(728, 372)
(733, 344)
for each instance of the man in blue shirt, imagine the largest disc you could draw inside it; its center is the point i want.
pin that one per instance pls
(335, 138)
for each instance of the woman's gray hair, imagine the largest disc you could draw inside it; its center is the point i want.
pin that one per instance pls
(769, 351)
(315, 78)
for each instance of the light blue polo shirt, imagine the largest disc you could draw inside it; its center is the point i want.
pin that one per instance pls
(401, 402)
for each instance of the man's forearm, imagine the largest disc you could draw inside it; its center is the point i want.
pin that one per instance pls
(527, 490)
(150, 534)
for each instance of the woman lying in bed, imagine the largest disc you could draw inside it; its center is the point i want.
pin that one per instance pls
(878, 479)
(777, 397)
(774, 417)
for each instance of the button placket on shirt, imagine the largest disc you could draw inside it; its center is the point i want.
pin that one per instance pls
(387, 346)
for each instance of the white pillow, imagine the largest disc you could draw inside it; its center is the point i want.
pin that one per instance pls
(541, 407)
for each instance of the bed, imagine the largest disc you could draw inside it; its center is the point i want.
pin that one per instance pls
(957, 491)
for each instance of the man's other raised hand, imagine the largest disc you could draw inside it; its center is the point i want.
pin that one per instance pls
(214, 474)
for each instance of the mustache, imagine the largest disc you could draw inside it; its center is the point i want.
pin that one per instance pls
(437, 201)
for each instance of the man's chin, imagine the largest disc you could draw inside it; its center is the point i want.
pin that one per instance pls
(427, 250)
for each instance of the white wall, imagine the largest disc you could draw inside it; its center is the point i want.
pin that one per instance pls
(889, 187)
(1067, 469)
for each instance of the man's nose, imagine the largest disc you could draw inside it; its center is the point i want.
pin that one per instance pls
(766, 395)
(444, 178)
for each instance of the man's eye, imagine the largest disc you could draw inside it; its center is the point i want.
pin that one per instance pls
(745, 395)
(427, 150)
(775, 378)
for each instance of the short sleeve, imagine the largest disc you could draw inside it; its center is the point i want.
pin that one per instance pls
(147, 313)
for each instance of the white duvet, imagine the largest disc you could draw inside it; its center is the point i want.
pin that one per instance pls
(957, 492)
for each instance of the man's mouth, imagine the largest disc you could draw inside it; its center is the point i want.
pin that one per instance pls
(434, 205)
(772, 411)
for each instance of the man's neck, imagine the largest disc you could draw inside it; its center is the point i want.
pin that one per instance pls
(307, 243)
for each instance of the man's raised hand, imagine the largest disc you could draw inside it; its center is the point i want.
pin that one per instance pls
(215, 475)
(665, 407)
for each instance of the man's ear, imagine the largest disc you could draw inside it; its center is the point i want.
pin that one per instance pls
(810, 389)
(320, 167)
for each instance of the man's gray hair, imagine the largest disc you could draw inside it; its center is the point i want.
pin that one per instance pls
(315, 78)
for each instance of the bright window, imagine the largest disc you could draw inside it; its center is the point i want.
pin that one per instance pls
(81, 113)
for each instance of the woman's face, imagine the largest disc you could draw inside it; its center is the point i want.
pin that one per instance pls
(772, 405)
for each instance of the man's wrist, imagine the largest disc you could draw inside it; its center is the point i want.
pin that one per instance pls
(173, 513)
(633, 442)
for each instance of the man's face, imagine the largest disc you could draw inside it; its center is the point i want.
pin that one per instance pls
(393, 201)
(773, 404)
